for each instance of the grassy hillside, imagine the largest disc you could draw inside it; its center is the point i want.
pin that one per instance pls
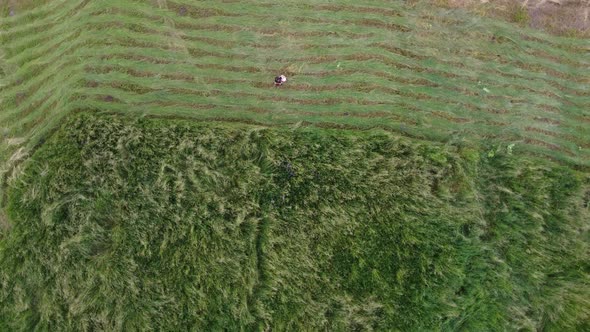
(422, 169)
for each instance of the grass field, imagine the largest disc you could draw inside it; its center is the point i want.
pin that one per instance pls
(422, 169)
(421, 72)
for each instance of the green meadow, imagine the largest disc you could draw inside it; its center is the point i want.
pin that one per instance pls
(422, 169)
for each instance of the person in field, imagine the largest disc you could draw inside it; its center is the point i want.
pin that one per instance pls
(279, 80)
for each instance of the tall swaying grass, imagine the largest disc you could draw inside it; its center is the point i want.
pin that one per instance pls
(122, 223)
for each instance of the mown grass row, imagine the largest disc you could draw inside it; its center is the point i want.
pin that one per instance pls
(450, 74)
(529, 60)
(497, 41)
(136, 223)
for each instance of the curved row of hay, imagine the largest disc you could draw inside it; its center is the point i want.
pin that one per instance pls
(423, 72)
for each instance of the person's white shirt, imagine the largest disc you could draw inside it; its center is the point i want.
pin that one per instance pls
(283, 78)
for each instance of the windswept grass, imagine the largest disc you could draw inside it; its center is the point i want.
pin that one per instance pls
(123, 223)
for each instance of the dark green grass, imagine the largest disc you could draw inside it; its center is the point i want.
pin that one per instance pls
(123, 223)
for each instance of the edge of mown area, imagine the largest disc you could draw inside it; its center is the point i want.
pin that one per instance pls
(422, 91)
